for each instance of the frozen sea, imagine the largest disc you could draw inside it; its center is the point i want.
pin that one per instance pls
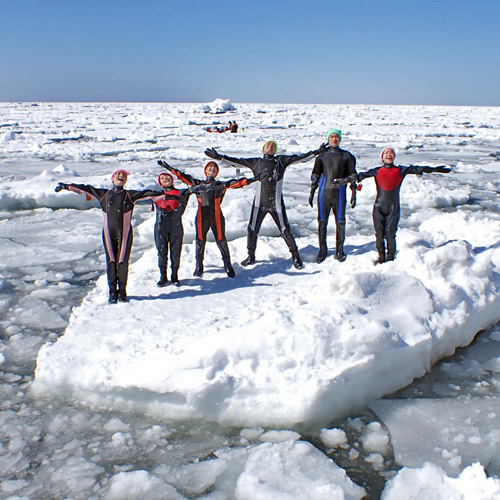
(340, 380)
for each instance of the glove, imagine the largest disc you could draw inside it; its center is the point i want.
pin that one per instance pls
(311, 196)
(212, 153)
(442, 169)
(164, 164)
(60, 186)
(321, 149)
(353, 195)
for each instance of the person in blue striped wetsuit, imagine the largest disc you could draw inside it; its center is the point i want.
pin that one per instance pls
(332, 164)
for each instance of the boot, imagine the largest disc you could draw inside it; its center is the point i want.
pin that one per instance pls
(163, 278)
(340, 238)
(113, 296)
(323, 249)
(229, 269)
(297, 261)
(391, 246)
(200, 254)
(122, 281)
(175, 278)
(380, 245)
(251, 246)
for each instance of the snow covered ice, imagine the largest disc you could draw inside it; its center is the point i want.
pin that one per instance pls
(274, 355)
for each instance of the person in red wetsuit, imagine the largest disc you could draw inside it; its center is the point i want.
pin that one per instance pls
(168, 228)
(210, 194)
(117, 205)
(386, 209)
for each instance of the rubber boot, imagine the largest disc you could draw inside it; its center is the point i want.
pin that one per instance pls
(323, 249)
(163, 277)
(380, 245)
(112, 283)
(122, 281)
(339, 244)
(200, 254)
(251, 246)
(175, 278)
(292, 246)
(226, 258)
(391, 246)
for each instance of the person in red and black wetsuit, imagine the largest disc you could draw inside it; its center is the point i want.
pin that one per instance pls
(117, 205)
(269, 195)
(168, 228)
(386, 209)
(210, 194)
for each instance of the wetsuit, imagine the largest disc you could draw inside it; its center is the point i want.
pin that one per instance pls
(117, 205)
(269, 198)
(386, 210)
(334, 163)
(169, 232)
(209, 194)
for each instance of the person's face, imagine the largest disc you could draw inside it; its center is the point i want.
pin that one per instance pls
(269, 148)
(120, 178)
(334, 140)
(211, 171)
(166, 181)
(388, 156)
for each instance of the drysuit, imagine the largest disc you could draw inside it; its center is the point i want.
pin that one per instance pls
(169, 232)
(117, 205)
(209, 194)
(386, 209)
(269, 198)
(334, 163)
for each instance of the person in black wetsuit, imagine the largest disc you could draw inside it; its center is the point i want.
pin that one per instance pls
(268, 197)
(117, 205)
(168, 228)
(334, 163)
(386, 209)
(210, 194)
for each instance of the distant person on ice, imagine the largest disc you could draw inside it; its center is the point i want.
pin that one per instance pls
(210, 194)
(386, 210)
(117, 205)
(332, 164)
(268, 197)
(233, 127)
(168, 228)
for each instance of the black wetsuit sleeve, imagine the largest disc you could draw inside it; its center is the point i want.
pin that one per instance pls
(96, 193)
(364, 175)
(288, 160)
(317, 171)
(351, 164)
(186, 178)
(412, 169)
(243, 162)
(149, 194)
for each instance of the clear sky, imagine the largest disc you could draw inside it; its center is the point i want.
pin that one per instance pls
(308, 51)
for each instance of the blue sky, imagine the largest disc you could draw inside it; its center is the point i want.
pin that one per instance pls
(316, 51)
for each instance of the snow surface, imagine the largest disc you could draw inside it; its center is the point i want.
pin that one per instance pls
(275, 347)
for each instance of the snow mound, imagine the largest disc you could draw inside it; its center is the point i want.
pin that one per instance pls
(218, 106)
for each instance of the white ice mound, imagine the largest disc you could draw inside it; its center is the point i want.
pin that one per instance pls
(218, 106)
(275, 346)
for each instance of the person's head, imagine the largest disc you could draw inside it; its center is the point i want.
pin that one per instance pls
(388, 155)
(334, 136)
(166, 180)
(119, 177)
(211, 169)
(270, 147)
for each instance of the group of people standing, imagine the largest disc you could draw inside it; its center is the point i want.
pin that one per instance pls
(333, 169)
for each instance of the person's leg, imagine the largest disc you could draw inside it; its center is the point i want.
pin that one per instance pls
(256, 217)
(175, 253)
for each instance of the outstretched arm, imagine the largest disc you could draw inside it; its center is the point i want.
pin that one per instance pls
(96, 193)
(186, 178)
(413, 169)
(230, 160)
